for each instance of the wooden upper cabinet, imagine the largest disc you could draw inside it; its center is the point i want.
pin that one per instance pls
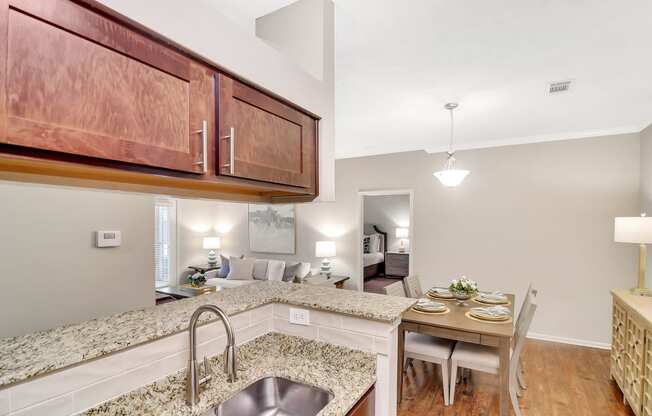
(80, 83)
(264, 139)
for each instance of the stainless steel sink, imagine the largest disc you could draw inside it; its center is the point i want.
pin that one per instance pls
(275, 396)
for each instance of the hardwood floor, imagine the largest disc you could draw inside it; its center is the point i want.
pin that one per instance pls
(563, 380)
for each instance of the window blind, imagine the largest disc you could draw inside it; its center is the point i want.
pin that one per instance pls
(164, 241)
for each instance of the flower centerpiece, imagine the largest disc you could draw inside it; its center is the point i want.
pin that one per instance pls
(463, 288)
(197, 280)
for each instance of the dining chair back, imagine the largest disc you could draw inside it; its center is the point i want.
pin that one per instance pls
(527, 299)
(413, 286)
(395, 289)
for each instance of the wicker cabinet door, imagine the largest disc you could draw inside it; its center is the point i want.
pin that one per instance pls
(647, 376)
(619, 325)
(634, 362)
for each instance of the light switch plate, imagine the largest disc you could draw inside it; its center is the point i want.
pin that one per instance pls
(299, 316)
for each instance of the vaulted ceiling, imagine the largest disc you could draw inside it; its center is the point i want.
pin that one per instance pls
(399, 62)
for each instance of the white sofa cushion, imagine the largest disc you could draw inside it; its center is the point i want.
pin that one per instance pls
(275, 269)
(260, 269)
(241, 269)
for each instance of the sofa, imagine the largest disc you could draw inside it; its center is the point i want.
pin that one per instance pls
(263, 269)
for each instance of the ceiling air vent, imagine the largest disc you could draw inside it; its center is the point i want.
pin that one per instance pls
(559, 86)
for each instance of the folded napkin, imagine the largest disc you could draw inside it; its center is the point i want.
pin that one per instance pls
(440, 291)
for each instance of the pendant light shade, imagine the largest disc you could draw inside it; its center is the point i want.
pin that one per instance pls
(450, 176)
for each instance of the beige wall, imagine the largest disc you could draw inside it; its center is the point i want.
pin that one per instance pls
(51, 272)
(540, 213)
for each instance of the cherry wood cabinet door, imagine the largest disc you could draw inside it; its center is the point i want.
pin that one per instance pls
(262, 138)
(80, 83)
(366, 405)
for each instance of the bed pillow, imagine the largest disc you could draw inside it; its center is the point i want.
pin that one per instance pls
(365, 244)
(240, 269)
(374, 243)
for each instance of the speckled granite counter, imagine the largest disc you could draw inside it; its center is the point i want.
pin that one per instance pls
(348, 374)
(42, 352)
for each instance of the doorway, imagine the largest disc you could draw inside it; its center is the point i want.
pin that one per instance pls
(385, 230)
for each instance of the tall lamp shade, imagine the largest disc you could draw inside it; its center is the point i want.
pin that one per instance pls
(212, 244)
(325, 249)
(636, 230)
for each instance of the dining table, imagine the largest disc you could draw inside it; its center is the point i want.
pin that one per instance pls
(456, 325)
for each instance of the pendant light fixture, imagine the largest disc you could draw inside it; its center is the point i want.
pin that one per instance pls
(450, 176)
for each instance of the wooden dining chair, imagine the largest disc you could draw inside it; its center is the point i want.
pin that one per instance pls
(425, 347)
(395, 289)
(413, 287)
(486, 359)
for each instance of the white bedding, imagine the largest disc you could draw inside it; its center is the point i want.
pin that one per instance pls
(373, 258)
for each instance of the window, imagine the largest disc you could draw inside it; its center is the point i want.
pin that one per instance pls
(165, 235)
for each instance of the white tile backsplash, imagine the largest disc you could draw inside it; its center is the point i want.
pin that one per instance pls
(5, 405)
(328, 319)
(365, 326)
(285, 327)
(59, 406)
(345, 338)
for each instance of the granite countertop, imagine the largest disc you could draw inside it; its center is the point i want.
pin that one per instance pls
(41, 352)
(346, 373)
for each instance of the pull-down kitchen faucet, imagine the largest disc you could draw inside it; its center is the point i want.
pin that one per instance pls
(192, 380)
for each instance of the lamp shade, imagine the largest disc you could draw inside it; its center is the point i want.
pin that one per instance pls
(633, 230)
(211, 243)
(325, 249)
(402, 232)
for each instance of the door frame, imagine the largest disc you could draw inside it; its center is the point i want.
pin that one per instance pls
(382, 192)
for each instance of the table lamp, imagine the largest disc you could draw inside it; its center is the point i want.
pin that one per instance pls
(325, 249)
(212, 244)
(636, 230)
(402, 234)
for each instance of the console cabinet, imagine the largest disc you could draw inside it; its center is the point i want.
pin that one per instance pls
(89, 95)
(631, 351)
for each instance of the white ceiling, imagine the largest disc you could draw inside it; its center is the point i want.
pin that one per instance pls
(399, 62)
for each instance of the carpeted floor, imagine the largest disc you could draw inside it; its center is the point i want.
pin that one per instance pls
(377, 283)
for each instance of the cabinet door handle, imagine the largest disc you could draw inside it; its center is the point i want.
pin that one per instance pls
(231, 139)
(204, 143)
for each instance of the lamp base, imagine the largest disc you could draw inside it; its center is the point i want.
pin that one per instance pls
(641, 291)
(326, 268)
(212, 258)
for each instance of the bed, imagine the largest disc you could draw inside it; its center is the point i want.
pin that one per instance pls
(373, 249)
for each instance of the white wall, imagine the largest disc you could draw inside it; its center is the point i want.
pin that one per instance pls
(52, 274)
(539, 213)
(201, 28)
(387, 212)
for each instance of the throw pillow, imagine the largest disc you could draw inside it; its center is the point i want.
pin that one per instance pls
(241, 269)
(275, 270)
(224, 267)
(260, 269)
(290, 271)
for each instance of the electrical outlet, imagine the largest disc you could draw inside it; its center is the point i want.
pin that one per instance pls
(299, 316)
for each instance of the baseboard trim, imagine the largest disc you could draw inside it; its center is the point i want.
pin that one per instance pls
(571, 341)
